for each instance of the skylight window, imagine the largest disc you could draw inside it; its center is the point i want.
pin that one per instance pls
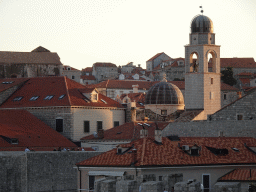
(62, 96)
(17, 98)
(235, 149)
(218, 151)
(33, 98)
(104, 101)
(48, 97)
(7, 82)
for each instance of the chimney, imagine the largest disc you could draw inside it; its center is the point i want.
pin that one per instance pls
(221, 134)
(101, 134)
(239, 93)
(143, 133)
(146, 119)
(135, 88)
(134, 156)
(158, 134)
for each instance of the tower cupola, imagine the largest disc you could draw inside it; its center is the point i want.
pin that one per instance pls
(201, 24)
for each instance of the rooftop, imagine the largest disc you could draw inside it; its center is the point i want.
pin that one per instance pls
(240, 175)
(170, 153)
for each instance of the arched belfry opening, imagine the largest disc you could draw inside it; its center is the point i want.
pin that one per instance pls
(194, 62)
(211, 59)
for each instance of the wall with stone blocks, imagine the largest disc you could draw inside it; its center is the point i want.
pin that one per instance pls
(40, 171)
(211, 129)
(228, 186)
(186, 186)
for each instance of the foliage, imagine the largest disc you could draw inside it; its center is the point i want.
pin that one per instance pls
(227, 76)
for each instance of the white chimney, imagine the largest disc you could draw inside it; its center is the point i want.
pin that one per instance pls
(143, 133)
(158, 135)
(135, 88)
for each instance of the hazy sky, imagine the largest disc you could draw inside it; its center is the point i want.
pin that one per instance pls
(83, 32)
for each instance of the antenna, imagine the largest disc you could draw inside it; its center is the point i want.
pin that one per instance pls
(202, 11)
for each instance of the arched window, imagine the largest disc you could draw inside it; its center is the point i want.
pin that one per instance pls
(211, 58)
(194, 62)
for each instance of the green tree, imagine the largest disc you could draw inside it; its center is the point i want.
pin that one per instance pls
(227, 76)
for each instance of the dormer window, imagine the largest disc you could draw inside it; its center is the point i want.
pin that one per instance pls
(34, 98)
(14, 141)
(94, 97)
(180, 63)
(68, 68)
(48, 97)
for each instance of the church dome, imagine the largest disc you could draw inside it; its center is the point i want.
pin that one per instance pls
(202, 24)
(164, 93)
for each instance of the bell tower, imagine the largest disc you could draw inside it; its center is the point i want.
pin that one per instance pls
(202, 78)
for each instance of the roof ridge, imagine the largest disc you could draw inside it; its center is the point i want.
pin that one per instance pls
(65, 78)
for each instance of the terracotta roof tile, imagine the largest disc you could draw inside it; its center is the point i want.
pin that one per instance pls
(55, 86)
(127, 131)
(30, 131)
(29, 58)
(236, 62)
(226, 87)
(87, 77)
(154, 57)
(245, 74)
(149, 153)
(187, 116)
(104, 65)
(11, 82)
(139, 98)
(240, 175)
(87, 69)
(71, 68)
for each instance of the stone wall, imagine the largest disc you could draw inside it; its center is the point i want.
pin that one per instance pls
(40, 171)
(212, 129)
(228, 186)
(187, 186)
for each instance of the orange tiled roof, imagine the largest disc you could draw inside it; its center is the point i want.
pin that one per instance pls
(30, 131)
(104, 65)
(245, 74)
(149, 153)
(245, 174)
(154, 57)
(245, 80)
(87, 77)
(11, 82)
(87, 69)
(226, 87)
(29, 58)
(236, 62)
(137, 97)
(56, 86)
(127, 131)
(71, 68)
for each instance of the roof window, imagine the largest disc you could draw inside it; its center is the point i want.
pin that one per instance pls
(33, 98)
(104, 101)
(216, 151)
(17, 98)
(235, 149)
(62, 96)
(48, 97)
(7, 82)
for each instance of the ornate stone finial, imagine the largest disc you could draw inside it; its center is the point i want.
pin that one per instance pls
(164, 78)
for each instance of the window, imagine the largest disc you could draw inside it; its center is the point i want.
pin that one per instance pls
(48, 97)
(59, 125)
(163, 112)
(239, 117)
(99, 125)
(73, 77)
(195, 152)
(68, 68)
(91, 182)
(116, 123)
(225, 96)
(86, 126)
(62, 96)
(211, 80)
(17, 98)
(206, 182)
(34, 98)
(160, 178)
(95, 97)
(211, 95)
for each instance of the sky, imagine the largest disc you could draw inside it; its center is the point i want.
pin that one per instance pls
(83, 32)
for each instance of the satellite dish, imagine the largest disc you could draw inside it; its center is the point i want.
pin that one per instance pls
(95, 134)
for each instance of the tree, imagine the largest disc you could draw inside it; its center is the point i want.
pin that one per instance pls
(227, 76)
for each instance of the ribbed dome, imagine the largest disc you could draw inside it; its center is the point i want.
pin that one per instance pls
(202, 24)
(164, 93)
